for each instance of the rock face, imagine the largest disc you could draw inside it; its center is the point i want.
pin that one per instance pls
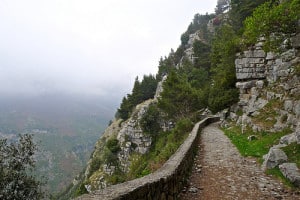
(291, 172)
(131, 136)
(131, 139)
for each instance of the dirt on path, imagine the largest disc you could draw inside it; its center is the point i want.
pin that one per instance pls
(220, 172)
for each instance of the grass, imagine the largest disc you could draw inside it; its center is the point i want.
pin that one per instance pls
(261, 145)
(255, 148)
(267, 116)
(293, 153)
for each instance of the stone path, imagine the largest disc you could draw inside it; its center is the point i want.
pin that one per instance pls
(220, 172)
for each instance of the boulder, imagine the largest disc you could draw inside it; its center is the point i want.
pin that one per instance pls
(288, 105)
(296, 41)
(291, 172)
(288, 55)
(288, 139)
(260, 84)
(274, 158)
(297, 109)
(271, 56)
(270, 95)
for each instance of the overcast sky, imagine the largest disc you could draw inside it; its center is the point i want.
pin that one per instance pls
(87, 46)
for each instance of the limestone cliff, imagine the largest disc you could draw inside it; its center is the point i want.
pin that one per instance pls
(131, 141)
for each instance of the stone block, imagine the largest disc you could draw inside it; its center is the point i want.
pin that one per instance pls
(241, 76)
(259, 54)
(255, 54)
(256, 60)
(238, 61)
(245, 85)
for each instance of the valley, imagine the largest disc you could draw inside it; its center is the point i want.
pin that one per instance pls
(65, 129)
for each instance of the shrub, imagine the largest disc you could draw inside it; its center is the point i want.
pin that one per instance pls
(274, 21)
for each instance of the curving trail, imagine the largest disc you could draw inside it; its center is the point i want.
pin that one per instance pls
(220, 172)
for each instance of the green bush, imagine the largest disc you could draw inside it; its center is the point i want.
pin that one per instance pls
(273, 20)
(113, 145)
(81, 190)
(95, 164)
(150, 121)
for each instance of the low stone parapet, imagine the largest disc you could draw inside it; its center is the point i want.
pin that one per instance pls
(166, 182)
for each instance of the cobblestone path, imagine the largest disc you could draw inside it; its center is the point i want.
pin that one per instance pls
(220, 172)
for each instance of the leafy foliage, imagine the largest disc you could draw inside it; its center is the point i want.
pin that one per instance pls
(273, 20)
(16, 163)
(112, 147)
(240, 10)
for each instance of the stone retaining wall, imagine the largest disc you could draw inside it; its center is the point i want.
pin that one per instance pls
(166, 182)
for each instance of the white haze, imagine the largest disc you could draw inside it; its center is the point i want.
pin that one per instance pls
(87, 47)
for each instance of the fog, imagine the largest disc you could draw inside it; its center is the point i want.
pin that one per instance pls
(91, 47)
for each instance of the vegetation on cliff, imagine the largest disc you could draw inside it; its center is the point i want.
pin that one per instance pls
(202, 79)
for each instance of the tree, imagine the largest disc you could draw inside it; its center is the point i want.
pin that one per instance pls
(223, 92)
(201, 52)
(240, 10)
(178, 99)
(16, 166)
(141, 91)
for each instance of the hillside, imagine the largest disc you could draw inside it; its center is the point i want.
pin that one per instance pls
(227, 63)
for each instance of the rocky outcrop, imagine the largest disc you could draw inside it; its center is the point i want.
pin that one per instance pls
(131, 136)
(274, 158)
(291, 172)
